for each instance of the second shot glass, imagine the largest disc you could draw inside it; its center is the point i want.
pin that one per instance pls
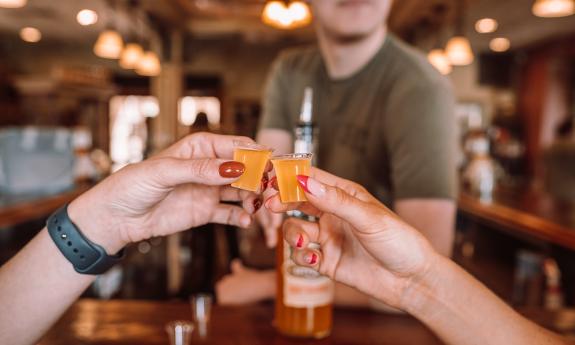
(287, 167)
(255, 158)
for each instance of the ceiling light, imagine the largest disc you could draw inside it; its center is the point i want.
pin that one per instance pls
(499, 44)
(87, 17)
(553, 8)
(30, 34)
(149, 65)
(486, 25)
(109, 45)
(295, 15)
(459, 51)
(13, 3)
(440, 61)
(131, 55)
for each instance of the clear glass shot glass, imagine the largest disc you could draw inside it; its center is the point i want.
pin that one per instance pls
(287, 167)
(201, 312)
(180, 332)
(255, 159)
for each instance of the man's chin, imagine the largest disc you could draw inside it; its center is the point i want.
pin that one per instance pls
(348, 37)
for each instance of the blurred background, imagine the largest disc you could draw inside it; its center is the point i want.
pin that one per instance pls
(88, 86)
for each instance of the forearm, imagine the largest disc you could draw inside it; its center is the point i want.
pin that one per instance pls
(36, 288)
(460, 310)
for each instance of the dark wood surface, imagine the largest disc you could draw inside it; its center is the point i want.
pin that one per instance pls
(141, 322)
(525, 212)
(15, 210)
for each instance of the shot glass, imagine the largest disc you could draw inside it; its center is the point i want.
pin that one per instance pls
(255, 158)
(201, 311)
(287, 167)
(180, 332)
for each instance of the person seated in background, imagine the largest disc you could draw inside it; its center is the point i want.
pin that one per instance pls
(180, 188)
(385, 118)
(366, 246)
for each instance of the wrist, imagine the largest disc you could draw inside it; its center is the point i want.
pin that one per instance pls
(423, 290)
(91, 222)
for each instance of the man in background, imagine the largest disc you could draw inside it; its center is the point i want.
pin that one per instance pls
(386, 120)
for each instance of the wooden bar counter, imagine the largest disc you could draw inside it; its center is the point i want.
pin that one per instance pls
(525, 212)
(139, 322)
(17, 210)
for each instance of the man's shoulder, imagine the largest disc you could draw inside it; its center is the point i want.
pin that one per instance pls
(412, 69)
(304, 58)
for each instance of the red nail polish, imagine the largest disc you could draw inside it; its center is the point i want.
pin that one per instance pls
(313, 259)
(231, 169)
(274, 183)
(302, 180)
(265, 182)
(299, 243)
(257, 205)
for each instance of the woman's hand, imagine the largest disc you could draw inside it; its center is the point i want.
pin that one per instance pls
(363, 244)
(180, 188)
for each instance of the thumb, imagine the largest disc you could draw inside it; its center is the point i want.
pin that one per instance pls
(237, 266)
(336, 201)
(208, 171)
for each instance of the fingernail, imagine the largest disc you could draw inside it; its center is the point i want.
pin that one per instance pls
(311, 186)
(312, 259)
(257, 205)
(246, 221)
(299, 243)
(231, 169)
(274, 183)
(302, 180)
(265, 182)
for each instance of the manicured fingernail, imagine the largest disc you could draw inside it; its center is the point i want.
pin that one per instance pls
(231, 169)
(302, 180)
(265, 182)
(299, 243)
(311, 186)
(274, 183)
(312, 259)
(257, 205)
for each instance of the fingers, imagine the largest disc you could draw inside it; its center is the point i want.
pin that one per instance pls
(171, 172)
(275, 205)
(231, 215)
(307, 257)
(270, 223)
(251, 202)
(299, 233)
(203, 145)
(336, 201)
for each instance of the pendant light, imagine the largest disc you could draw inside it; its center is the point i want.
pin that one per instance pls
(553, 8)
(149, 65)
(13, 3)
(283, 15)
(131, 55)
(438, 58)
(458, 48)
(109, 44)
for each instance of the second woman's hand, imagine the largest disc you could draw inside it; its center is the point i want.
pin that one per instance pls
(363, 244)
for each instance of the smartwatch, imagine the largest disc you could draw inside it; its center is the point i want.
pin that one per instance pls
(86, 257)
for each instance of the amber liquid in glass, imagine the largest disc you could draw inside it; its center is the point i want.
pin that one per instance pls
(255, 162)
(312, 321)
(286, 170)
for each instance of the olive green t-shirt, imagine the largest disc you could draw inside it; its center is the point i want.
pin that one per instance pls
(390, 126)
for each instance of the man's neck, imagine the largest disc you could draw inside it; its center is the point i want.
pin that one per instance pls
(344, 59)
